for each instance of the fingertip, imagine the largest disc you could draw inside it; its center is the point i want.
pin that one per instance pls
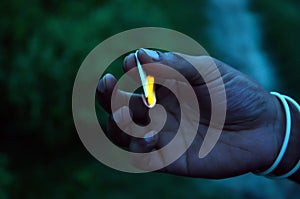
(106, 83)
(104, 91)
(129, 62)
(148, 56)
(111, 81)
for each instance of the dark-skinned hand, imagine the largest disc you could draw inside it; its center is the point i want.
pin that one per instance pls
(252, 133)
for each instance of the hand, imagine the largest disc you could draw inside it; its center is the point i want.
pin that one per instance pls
(250, 139)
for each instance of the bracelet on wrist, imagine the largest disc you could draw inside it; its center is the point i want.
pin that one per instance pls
(283, 99)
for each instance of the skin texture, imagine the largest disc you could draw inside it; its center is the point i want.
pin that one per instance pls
(253, 130)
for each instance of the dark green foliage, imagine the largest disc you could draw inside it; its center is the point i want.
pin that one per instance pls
(42, 46)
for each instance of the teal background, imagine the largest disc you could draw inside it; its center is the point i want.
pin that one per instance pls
(42, 46)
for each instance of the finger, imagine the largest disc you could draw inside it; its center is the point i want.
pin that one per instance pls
(144, 55)
(116, 124)
(196, 69)
(140, 112)
(104, 94)
(130, 67)
(135, 103)
(104, 91)
(152, 62)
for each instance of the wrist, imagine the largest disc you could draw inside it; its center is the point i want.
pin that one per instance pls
(292, 154)
(276, 132)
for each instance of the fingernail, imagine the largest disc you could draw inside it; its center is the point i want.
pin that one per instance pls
(148, 137)
(151, 53)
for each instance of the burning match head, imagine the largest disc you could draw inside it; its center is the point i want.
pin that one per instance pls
(149, 97)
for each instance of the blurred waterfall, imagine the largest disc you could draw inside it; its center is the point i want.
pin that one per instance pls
(236, 37)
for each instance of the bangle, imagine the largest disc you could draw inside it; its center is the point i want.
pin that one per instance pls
(286, 138)
(297, 166)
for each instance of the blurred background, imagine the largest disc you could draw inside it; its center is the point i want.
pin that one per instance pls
(43, 43)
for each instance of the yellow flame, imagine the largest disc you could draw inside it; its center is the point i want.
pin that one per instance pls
(150, 90)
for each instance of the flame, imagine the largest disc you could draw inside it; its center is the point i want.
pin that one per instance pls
(150, 90)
